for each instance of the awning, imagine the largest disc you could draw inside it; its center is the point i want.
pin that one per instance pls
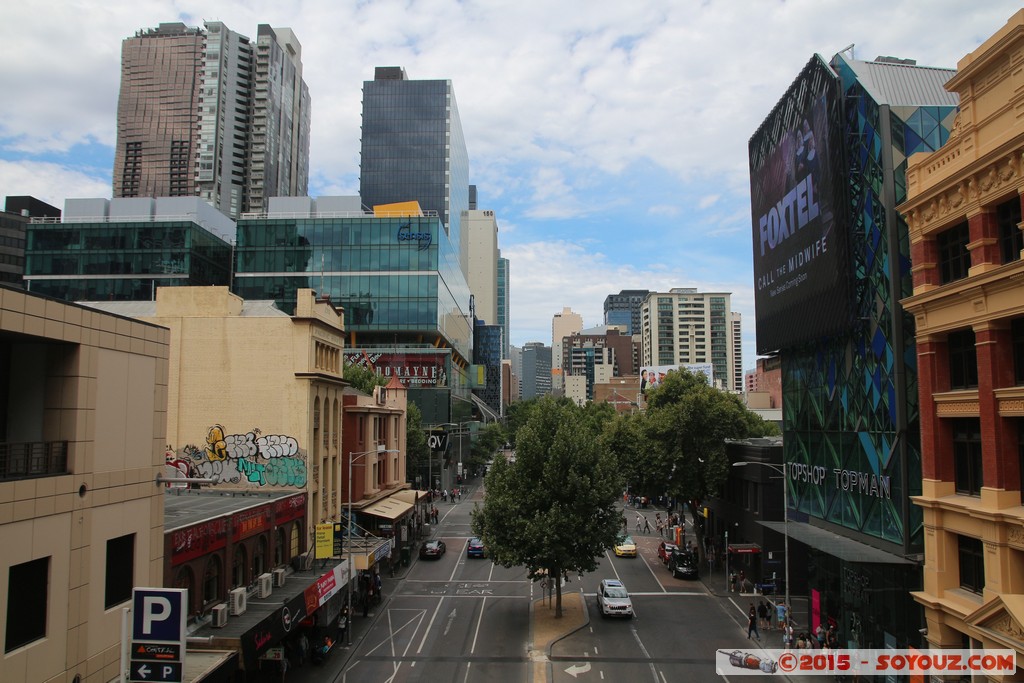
(844, 548)
(744, 548)
(389, 508)
(410, 495)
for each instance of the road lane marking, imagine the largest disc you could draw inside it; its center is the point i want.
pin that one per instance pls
(476, 631)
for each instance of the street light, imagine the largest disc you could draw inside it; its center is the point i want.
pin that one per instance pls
(348, 531)
(781, 469)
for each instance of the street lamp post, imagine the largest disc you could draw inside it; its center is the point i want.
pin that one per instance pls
(348, 531)
(781, 469)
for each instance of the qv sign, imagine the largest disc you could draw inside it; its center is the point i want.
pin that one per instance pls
(405, 234)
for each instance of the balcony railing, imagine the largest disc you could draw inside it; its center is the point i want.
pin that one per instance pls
(33, 459)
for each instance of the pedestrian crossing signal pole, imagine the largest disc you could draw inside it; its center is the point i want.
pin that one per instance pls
(726, 560)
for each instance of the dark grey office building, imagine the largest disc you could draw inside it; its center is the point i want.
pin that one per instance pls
(536, 378)
(413, 147)
(624, 309)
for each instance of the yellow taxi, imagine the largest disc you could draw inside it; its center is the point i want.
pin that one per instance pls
(625, 547)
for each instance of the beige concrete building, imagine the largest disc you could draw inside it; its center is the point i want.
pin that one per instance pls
(964, 214)
(255, 395)
(563, 325)
(687, 327)
(84, 405)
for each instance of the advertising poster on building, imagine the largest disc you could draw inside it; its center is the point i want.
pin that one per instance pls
(798, 207)
(651, 376)
(421, 370)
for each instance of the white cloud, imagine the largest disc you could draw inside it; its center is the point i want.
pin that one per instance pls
(615, 131)
(41, 179)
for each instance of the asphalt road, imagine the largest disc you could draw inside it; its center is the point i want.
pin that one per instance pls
(464, 620)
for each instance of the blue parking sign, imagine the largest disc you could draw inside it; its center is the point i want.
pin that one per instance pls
(158, 614)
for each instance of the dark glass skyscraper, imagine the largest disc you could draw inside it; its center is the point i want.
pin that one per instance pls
(624, 309)
(413, 147)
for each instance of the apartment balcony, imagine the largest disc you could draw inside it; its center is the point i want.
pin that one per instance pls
(33, 459)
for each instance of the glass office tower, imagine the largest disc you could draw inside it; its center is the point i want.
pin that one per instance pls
(399, 281)
(413, 147)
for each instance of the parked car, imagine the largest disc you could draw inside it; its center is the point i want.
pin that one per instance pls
(613, 599)
(684, 564)
(665, 550)
(475, 548)
(433, 549)
(625, 547)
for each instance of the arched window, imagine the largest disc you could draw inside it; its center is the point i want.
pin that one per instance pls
(295, 539)
(238, 577)
(280, 546)
(186, 579)
(259, 557)
(211, 580)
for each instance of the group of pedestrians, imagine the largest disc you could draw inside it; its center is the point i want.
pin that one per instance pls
(762, 617)
(454, 495)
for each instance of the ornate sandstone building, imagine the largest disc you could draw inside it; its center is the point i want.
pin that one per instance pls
(964, 214)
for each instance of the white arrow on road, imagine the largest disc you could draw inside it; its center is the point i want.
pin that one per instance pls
(144, 671)
(451, 618)
(577, 669)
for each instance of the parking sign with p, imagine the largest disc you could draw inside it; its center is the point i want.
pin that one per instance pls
(157, 650)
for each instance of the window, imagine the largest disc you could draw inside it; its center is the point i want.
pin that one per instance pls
(967, 456)
(1011, 239)
(954, 257)
(27, 606)
(1017, 339)
(972, 564)
(120, 570)
(963, 360)
(211, 580)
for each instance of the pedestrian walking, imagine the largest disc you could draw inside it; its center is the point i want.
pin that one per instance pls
(781, 613)
(769, 614)
(732, 582)
(639, 521)
(762, 615)
(752, 623)
(787, 636)
(647, 525)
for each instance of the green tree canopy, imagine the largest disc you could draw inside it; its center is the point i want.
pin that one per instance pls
(553, 510)
(686, 424)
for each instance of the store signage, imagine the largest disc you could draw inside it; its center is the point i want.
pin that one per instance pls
(406, 234)
(849, 481)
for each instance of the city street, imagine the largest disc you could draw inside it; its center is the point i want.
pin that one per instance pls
(465, 619)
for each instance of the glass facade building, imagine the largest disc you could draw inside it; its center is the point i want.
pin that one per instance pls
(850, 401)
(122, 260)
(624, 309)
(398, 279)
(413, 147)
(487, 343)
(503, 305)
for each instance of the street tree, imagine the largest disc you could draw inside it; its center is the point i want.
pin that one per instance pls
(553, 510)
(687, 423)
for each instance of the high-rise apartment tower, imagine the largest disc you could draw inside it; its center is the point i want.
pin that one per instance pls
(205, 112)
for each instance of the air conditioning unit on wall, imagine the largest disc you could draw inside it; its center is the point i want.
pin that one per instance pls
(266, 586)
(279, 575)
(236, 601)
(220, 615)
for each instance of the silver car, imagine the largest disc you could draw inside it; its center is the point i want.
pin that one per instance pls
(613, 599)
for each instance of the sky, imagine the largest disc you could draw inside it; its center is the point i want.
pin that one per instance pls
(609, 138)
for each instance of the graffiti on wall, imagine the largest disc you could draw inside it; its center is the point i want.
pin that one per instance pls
(252, 459)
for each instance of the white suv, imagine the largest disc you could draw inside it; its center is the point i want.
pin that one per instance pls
(613, 600)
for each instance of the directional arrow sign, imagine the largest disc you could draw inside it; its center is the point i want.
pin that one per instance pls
(161, 672)
(577, 669)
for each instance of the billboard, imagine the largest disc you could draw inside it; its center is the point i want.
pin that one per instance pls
(799, 214)
(651, 376)
(427, 370)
